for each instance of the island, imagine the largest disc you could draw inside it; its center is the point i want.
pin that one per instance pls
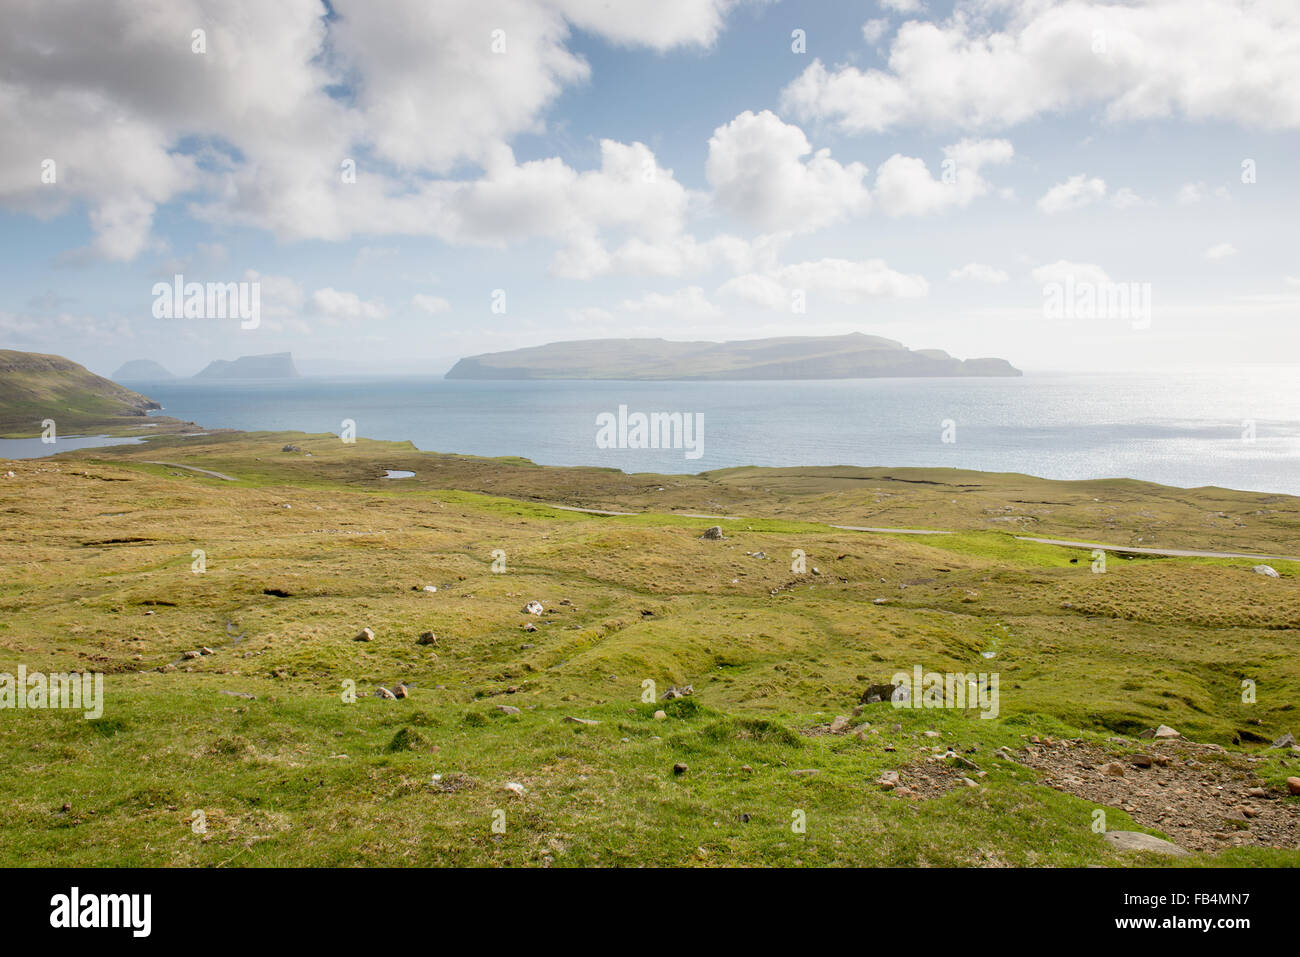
(274, 365)
(141, 370)
(852, 356)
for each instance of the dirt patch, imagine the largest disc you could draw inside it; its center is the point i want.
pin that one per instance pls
(1204, 797)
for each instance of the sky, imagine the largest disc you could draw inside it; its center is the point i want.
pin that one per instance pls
(407, 182)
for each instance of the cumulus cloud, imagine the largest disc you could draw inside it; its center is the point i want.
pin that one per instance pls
(1063, 270)
(905, 187)
(429, 88)
(1221, 251)
(1075, 193)
(764, 171)
(430, 304)
(1143, 60)
(335, 304)
(690, 303)
(837, 280)
(978, 272)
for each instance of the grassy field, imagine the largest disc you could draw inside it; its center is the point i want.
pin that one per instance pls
(253, 754)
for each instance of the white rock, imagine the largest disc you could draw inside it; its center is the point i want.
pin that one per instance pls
(533, 608)
(1137, 841)
(1266, 570)
(515, 788)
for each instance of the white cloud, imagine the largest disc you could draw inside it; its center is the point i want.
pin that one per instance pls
(978, 272)
(905, 187)
(688, 304)
(1063, 270)
(903, 6)
(335, 304)
(873, 30)
(1231, 61)
(430, 304)
(765, 172)
(837, 280)
(1221, 251)
(1075, 193)
(426, 95)
(1125, 198)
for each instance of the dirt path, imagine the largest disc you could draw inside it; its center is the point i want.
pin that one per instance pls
(192, 468)
(1063, 542)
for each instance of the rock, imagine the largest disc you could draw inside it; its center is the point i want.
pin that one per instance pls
(874, 693)
(1293, 785)
(1137, 841)
(529, 626)
(192, 654)
(533, 608)
(681, 692)
(840, 724)
(386, 694)
(1257, 793)
(760, 555)
(1285, 741)
(1266, 570)
(1164, 731)
(661, 715)
(205, 650)
(969, 783)
(431, 588)
(572, 720)
(1114, 769)
(804, 773)
(515, 788)
(680, 768)
(508, 709)
(427, 638)
(365, 634)
(888, 781)
(931, 734)
(713, 533)
(1141, 760)
(400, 691)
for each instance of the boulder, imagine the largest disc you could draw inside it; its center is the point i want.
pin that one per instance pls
(713, 533)
(533, 608)
(1137, 841)
(1266, 570)
(427, 638)
(365, 634)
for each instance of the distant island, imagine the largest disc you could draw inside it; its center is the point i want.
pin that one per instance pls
(853, 356)
(35, 387)
(141, 370)
(275, 365)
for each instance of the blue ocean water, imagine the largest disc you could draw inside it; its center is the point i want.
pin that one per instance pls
(1237, 429)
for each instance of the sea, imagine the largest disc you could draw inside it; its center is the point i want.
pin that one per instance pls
(1236, 429)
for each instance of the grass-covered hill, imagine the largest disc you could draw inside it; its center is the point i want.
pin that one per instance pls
(35, 387)
(536, 740)
(791, 357)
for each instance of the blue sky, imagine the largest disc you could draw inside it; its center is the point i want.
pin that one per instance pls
(1103, 142)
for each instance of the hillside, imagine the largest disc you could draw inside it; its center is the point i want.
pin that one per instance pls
(35, 387)
(141, 370)
(852, 356)
(565, 721)
(275, 365)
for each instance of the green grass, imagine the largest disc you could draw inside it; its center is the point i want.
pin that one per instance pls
(95, 573)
